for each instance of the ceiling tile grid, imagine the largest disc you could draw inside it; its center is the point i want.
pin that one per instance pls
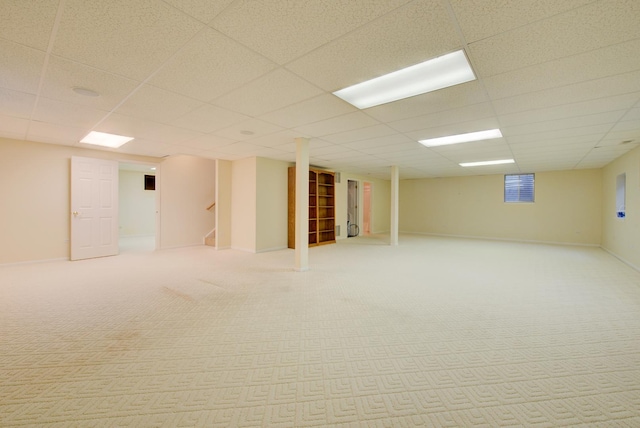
(234, 79)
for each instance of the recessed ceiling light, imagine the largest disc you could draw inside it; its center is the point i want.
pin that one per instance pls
(489, 134)
(483, 163)
(85, 91)
(106, 140)
(437, 73)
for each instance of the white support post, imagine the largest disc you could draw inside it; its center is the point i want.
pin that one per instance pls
(302, 205)
(395, 190)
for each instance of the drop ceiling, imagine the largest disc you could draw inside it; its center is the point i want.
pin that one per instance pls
(230, 79)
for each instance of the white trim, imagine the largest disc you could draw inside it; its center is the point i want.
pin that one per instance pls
(266, 250)
(625, 261)
(227, 247)
(30, 262)
(490, 238)
(246, 250)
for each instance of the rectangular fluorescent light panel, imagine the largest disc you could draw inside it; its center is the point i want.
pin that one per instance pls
(493, 162)
(462, 138)
(437, 73)
(106, 140)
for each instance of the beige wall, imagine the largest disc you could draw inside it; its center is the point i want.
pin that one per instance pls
(622, 236)
(137, 207)
(271, 204)
(187, 186)
(223, 204)
(243, 204)
(567, 208)
(380, 203)
(34, 195)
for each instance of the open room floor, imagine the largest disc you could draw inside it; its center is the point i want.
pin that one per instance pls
(434, 332)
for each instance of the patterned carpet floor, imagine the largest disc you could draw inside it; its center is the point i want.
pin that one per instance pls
(437, 332)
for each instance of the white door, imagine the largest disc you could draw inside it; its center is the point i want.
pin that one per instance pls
(94, 208)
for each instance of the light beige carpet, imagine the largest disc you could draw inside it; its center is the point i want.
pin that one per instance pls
(434, 332)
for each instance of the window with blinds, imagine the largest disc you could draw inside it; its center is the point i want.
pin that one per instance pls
(519, 187)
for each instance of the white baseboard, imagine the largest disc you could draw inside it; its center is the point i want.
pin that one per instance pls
(31, 262)
(623, 260)
(489, 238)
(266, 250)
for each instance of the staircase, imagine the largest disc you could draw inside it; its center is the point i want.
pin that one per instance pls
(210, 238)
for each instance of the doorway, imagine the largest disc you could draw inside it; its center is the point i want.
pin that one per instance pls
(367, 191)
(138, 207)
(353, 228)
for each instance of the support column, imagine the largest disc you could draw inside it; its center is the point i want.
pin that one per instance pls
(395, 190)
(302, 205)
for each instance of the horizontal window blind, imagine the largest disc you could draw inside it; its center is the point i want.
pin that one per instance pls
(519, 187)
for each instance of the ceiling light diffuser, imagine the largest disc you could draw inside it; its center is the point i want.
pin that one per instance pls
(462, 138)
(106, 140)
(492, 162)
(437, 73)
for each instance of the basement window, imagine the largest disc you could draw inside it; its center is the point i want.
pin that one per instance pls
(519, 187)
(149, 182)
(621, 190)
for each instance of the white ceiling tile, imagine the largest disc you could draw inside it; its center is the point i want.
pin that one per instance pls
(312, 110)
(63, 75)
(148, 148)
(290, 146)
(433, 102)
(203, 10)
(158, 105)
(626, 135)
(20, 67)
(343, 123)
(328, 150)
(562, 124)
(632, 114)
(28, 22)
(577, 31)
(208, 118)
(13, 127)
(16, 104)
(283, 30)
(576, 140)
(609, 61)
(395, 41)
(55, 134)
(273, 91)
(268, 152)
(454, 129)
(366, 133)
(480, 19)
(584, 108)
(240, 148)
(68, 114)
(620, 84)
(398, 147)
(276, 139)
(462, 114)
(386, 141)
(127, 37)
(240, 131)
(569, 136)
(207, 142)
(145, 129)
(198, 71)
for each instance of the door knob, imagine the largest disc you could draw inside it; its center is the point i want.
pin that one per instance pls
(76, 213)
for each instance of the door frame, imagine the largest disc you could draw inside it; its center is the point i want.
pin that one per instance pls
(158, 193)
(366, 184)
